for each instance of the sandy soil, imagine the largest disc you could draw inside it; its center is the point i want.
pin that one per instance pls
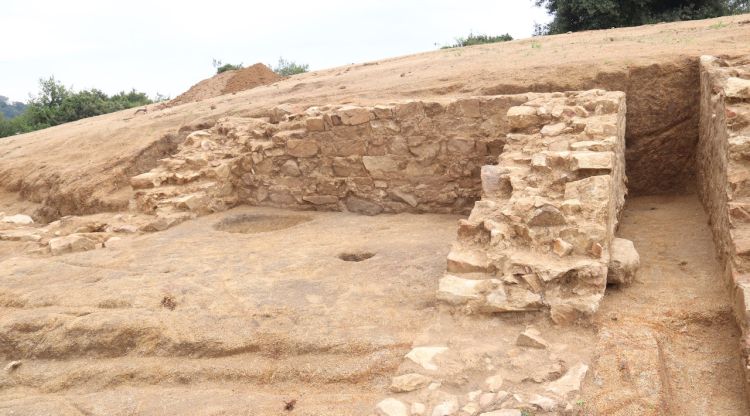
(259, 316)
(669, 344)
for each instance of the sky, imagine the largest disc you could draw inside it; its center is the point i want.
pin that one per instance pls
(165, 46)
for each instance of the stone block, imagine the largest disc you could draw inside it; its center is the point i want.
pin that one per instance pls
(592, 161)
(380, 166)
(737, 88)
(462, 259)
(523, 117)
(301, 147)
(70, 244)
(352, 115)
(362, 206)
(315, 124)
(624, 262)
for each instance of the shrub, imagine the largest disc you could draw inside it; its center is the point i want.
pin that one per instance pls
(479, 39)
(286, 68)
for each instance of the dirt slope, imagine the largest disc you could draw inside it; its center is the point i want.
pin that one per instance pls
(656, 65)
(227, 83)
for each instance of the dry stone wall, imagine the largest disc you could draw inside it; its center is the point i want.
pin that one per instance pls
(540, 238)
(723, 158)
(405, 157)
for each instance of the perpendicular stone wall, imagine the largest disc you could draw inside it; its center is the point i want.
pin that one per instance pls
(723, 157)
(540, 238)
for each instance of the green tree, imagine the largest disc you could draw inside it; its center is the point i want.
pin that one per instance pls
(287, 68)
(57, 104)
(577, 15)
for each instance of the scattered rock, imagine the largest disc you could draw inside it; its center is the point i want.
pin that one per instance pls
(423, 356)
(70, 244)
(447, 408)
(22, 234)
(570, 382)
(18, 219)
(624, 262)
(391, 407)
(409, 382)
(531, 338)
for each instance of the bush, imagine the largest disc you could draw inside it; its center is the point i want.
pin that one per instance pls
(57, 104)
(287, 68)
(222, 67)
(480, 39)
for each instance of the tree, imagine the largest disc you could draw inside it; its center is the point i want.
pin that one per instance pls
(577, 15)
(222, 67)
(57, 104)
(287, 68)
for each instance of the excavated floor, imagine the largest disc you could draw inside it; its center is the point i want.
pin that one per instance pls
(195, 320)
(668, 345)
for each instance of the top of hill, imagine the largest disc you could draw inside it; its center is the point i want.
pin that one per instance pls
(86, 163)
(228, 82)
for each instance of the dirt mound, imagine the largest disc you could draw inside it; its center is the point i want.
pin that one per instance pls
(228, 82)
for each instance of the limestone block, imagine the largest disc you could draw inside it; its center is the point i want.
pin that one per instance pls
(315, 124)
(383, 112)
(523, 117)
(624, 262)
(147, 180)
(547, 216)
(516, 301)
(352, 115)
(409, 382)
(362, 206)
(18, 219)
(424, 356)
(552, 130)
(406, 197)
(456, 290)
(290, 168)
(301, 147)
(321, 199)
(23, 234)
(531, 338)
(380, 166)
(561, 247)
(592, 161)
(70, 244)
(391, 407)
(462, 259)
(737, 88)
(570, 382)
(447, 408)
(347, 167)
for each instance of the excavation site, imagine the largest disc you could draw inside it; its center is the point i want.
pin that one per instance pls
(512, 230)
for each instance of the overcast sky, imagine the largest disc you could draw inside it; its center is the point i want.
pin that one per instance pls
(167, 46)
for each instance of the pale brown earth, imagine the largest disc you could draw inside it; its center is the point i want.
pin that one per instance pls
(245, 318)
(668, 345)
(260, 317)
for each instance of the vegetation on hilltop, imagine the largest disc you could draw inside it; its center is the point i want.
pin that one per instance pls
(577, 15)
(478, 39)
(287, 68)
(57, 104)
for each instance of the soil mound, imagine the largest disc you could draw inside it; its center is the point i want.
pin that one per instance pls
(228, 82)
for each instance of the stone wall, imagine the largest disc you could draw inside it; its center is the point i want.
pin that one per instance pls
(540, 238)
(723, 157)
(405, 157)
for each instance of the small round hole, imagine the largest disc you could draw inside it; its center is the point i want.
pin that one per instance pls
(356, 256)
